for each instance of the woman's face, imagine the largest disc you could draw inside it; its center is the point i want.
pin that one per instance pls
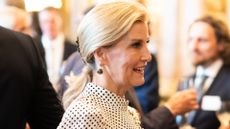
(126, 60)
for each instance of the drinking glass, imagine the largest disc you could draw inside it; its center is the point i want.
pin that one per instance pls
(182, 120)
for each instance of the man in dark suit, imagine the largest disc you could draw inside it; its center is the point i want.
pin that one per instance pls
(54, 47)
(207, 41)
(148, 93)
(26, 93)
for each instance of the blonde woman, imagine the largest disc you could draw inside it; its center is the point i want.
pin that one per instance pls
(112, 40)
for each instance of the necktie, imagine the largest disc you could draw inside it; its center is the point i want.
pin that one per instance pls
(198, 84)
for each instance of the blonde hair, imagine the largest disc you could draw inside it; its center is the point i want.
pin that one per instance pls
(100, 27)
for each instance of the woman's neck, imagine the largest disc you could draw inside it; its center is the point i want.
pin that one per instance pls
(107, 83)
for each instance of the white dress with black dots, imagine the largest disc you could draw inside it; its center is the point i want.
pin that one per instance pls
(98, 108)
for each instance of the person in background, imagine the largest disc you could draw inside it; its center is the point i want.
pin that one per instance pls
(73, 65)
(208, 41)
(26, 93)
(18, 20)
(148, 93)
(53, 45)
(15, 19)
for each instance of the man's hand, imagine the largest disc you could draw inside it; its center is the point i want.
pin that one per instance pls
(182, 102)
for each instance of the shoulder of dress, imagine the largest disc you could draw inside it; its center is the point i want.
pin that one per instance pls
(87, 104)
(81, 115)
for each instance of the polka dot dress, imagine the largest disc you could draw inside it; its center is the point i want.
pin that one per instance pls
(98, 108)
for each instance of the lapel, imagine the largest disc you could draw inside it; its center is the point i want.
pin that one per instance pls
(213, 89)
(217, 82)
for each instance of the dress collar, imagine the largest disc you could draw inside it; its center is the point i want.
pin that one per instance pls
(105, 95)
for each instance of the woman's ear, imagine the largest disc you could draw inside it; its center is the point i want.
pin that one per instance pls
(99, 56)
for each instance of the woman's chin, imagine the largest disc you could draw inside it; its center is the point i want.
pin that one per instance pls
(139, 83)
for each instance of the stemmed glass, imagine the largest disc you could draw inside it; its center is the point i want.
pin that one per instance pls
(223, 114)
(182, 120)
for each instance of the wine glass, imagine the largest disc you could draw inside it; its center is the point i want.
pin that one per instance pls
(223, 114)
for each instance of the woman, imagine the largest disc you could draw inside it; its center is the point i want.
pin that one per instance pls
(112, 40)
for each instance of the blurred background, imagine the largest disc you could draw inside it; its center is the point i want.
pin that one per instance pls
(170, 20)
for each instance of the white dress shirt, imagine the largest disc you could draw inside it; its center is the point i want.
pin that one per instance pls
(54, 50)
(210, 71)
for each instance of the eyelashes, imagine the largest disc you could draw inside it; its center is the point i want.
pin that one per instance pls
(138, 44)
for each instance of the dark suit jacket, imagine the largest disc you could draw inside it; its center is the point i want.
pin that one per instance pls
(220, 87)
(158, 118)
(148, 93)
(26, 93)
(69, 48)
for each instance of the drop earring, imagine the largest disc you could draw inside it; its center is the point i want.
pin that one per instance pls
(99, 71)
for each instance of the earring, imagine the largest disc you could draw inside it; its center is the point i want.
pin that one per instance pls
(99, 71)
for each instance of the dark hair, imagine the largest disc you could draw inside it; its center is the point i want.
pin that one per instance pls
(219, 27)
(221, 33)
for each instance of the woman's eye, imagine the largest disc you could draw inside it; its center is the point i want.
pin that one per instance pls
(136, 45)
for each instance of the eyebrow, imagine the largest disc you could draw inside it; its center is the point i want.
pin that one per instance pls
(139, 40)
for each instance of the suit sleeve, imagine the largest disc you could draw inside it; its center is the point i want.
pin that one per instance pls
(153, 82)
(148, 94)
(45, 110)
(159, 118)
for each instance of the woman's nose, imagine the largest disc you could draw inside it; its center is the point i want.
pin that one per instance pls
(146, 55)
